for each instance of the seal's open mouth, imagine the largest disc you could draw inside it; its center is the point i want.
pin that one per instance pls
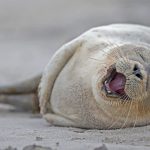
(114, 84)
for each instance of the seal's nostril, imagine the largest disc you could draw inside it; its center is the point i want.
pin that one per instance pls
(137, 72)
(136, 68)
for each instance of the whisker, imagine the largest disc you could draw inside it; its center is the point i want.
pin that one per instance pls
(144, 113)
(136, 115)
(105, 53)
(123, 96)
(139, 54)
(97, 60)
(122, 112)
(127, 116)
(121, 54)
(115, 48)
(113, 122)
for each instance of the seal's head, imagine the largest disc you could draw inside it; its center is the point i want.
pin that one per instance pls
(124, 80)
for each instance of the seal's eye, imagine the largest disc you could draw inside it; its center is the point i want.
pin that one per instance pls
(137, 72)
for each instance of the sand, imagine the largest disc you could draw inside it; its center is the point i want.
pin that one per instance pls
(20, 130)
(30, 32)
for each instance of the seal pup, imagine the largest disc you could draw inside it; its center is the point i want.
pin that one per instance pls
(100, 80)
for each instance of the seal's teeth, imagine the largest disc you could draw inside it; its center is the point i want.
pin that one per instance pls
(109, 92)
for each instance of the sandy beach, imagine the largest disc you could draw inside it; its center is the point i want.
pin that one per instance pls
(30, 32)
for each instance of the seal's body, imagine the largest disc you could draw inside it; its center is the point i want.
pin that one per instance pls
(99, 80)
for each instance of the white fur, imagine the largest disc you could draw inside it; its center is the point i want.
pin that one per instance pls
(66, 85)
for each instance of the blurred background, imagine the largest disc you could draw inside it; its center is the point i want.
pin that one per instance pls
(32, 30)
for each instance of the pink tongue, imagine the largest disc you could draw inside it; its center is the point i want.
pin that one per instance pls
(117, 84)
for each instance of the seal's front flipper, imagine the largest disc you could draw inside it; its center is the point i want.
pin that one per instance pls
(52, 70)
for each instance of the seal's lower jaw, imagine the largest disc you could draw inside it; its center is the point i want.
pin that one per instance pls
(114, 84)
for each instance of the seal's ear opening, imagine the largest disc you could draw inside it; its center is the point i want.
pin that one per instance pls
(52, 70)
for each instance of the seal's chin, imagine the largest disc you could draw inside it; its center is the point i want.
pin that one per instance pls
(114, 84)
